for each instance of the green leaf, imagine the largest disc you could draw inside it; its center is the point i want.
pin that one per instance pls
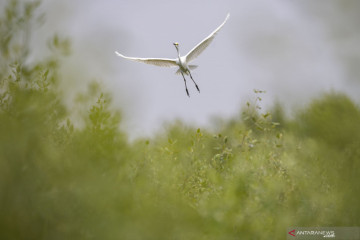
(266, 115)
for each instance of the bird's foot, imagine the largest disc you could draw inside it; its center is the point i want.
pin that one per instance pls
(187, 92)
(197, 88)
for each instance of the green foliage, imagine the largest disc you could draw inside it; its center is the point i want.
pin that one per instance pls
(334, 119)
(251, 180)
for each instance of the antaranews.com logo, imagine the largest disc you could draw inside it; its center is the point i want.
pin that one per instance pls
(310, 233)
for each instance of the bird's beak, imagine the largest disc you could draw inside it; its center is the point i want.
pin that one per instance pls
(176, 46)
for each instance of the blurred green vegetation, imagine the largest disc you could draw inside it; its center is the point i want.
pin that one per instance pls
(260, 174)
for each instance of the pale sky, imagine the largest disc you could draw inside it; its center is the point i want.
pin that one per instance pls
(275, 46)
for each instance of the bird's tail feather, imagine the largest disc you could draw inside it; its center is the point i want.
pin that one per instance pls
(192, 67)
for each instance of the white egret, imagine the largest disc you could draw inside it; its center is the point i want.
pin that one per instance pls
(182, 61)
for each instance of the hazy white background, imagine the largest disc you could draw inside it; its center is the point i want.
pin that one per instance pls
(292, 49)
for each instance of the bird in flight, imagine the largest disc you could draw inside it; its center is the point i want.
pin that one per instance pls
(181, 61)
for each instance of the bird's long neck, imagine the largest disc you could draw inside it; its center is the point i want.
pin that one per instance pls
(177, 49)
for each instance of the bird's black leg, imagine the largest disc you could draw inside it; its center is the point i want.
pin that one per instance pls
(194, 82)
(187, 92)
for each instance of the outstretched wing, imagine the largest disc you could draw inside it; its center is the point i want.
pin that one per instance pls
(198, 49)
(161, 62)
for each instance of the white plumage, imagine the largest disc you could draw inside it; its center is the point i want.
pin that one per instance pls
(182, 61)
